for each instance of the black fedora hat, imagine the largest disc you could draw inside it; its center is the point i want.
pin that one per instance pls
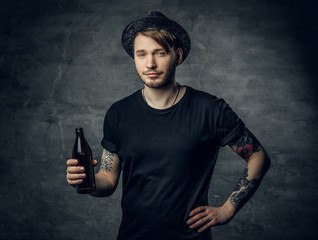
(155, 19)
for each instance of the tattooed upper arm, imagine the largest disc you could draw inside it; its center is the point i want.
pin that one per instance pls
(246, 144)
(108, 174)
(106, 161)
(110, 166)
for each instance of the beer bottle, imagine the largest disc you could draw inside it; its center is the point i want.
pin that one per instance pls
(83, 153)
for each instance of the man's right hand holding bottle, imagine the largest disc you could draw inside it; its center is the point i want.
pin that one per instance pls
(106, 178)
(76, 174)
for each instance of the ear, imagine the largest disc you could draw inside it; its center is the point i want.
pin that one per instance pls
(179, 53)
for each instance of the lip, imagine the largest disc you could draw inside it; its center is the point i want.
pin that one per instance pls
(152, 75)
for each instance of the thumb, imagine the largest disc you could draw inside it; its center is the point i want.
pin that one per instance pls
(94, 163)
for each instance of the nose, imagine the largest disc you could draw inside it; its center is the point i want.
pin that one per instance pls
(151, 63)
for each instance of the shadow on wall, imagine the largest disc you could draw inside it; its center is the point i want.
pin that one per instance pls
(305, 21)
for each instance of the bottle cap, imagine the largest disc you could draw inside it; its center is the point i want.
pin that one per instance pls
(79, 130)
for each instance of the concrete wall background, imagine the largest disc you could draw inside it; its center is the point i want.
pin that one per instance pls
(62, 65)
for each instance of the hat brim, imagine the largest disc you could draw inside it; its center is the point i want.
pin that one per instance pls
(170, 26)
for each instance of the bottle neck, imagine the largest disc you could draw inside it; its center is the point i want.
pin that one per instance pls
(79, 139)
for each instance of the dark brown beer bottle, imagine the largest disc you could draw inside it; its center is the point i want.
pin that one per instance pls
(83, 153)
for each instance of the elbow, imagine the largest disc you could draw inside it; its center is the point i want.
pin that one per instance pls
(104, 186)
(103, 193)
(109, 192)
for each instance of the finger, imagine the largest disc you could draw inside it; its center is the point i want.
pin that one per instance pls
(76, 176)
(75, 182)
(207, 225)
(196, 218)
(77, 169)
(72, 162)
(199, 223)
(197, 210)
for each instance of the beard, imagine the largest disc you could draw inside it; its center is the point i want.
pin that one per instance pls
(163, 80)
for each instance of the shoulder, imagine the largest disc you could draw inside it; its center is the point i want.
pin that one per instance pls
(203, 97)
(124, 103)
(121, 108)
(200, 94)
(209, 103)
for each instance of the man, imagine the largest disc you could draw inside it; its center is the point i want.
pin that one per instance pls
(165, 139)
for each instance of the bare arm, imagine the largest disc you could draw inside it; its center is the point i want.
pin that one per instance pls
(108, 175)
(248, 148)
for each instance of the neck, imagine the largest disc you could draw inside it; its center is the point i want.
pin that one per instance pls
(161, 98)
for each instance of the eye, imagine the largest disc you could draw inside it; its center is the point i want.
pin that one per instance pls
(161, 53)
(140, 54)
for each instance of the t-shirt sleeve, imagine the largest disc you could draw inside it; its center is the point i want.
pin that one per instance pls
(229, 125)
(109, 142)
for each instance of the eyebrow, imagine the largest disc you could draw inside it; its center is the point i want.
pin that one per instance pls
(155, 50)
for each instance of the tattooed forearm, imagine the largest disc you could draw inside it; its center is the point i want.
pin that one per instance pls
(107, 161)
(246, 144)
(244, 190)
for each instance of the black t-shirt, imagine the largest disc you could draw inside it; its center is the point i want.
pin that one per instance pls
(167, 159)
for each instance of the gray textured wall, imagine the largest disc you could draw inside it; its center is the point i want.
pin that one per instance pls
(62, 65)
